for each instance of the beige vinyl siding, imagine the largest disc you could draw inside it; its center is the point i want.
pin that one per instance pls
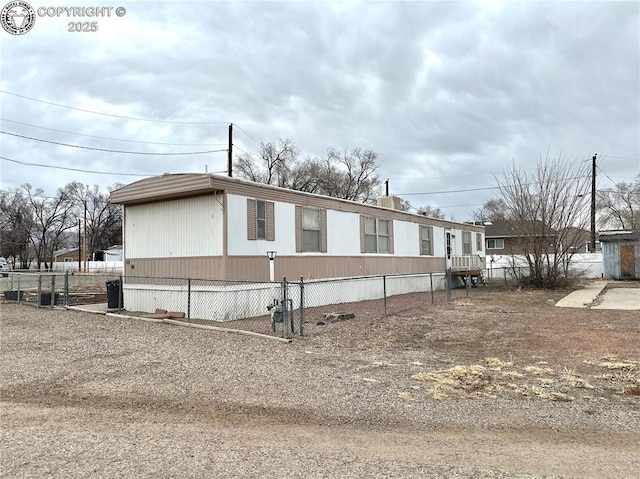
(252, 228)
(271, 221)
(298, 220)
(256, 268)
(176, 228)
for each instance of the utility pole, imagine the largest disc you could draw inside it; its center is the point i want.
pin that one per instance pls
(230, 152)
(79, 248)
(593, 203)
(84, 247)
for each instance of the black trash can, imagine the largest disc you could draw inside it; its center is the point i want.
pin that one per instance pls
(45, 298)
(115, 298)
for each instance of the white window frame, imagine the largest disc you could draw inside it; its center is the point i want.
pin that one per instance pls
(376, 234)
(306, 247)
(467, 245)
(496, 241)
(261, 221)
(429, 250)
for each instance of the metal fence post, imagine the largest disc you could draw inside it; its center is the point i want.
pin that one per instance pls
(66, 288)
(18, 287)
(285, 316)
(53, 290)
(120, 294)
(39, 290)
(189, 298)
(449, 285)
(431, 283)
(384, 293)
(468, 284)
(301, 328)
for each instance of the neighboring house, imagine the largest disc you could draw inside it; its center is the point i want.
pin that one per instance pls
(73, 255)
(66, 255)
(209, 226)
(112, 253)
(621, 254)
(581, 241)
(504, 238)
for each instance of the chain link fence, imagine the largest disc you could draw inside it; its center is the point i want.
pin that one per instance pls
(283, 309)
(51, 289)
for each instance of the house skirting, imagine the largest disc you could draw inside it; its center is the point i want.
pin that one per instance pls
(219, 302)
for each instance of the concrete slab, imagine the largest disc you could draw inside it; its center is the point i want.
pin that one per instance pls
(620, 298)
(91, 308)
(582, 298)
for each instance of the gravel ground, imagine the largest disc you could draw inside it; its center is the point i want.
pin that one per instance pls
(498, 385)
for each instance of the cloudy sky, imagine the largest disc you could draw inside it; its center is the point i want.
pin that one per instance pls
(447, 93)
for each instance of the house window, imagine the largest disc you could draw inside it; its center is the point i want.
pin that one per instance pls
(310, 230)
(426, 245)
(260, 220)
(466, 242)
(478, 241)
(68, 259)
(377, 236)
(495, 243)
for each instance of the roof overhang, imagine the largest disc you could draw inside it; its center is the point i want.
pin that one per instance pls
(610, 236)
(165, 187)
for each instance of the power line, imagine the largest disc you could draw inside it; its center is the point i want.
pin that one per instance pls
(112, 151)
(115, 116)
(114, 139)
(621, 157)
(246, 152)
(482, 189)
(450, 191)
(41, 165)
(602, 171)
(242, 130)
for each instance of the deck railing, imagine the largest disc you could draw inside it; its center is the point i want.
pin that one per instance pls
(466, 262)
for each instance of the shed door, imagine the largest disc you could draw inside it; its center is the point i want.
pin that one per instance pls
(627, 263)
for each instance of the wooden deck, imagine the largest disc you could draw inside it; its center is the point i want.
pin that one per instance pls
(468, 266)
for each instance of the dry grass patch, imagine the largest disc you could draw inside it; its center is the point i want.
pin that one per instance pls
(538, 371)
(458, 381)
(535, 381)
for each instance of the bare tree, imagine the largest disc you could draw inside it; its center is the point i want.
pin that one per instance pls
(431, 212)
(619, 207)
(350, 174)
(51, 218)
(104, 220)
(549, 213)
(272, 167)
(16, 224)
(493, 210)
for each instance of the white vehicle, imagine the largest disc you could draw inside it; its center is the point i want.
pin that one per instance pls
(5, 267)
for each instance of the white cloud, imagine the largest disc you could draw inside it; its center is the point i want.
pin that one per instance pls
(447, 93)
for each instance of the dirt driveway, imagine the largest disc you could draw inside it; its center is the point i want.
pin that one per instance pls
(502, 384)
